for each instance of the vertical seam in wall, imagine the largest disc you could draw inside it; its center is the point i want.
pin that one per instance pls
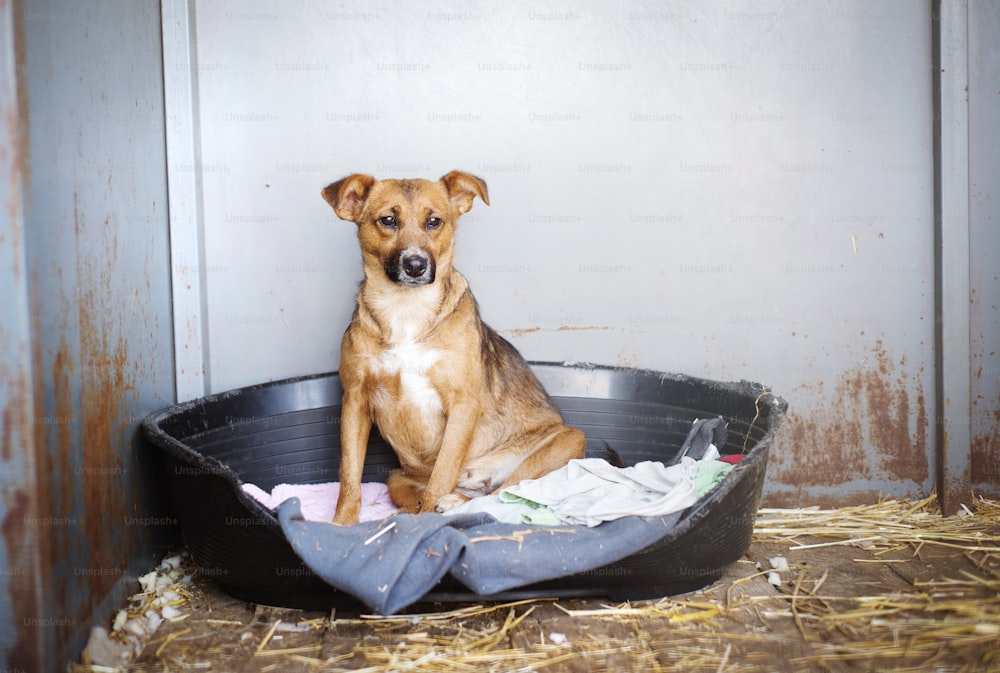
(952, 364)
(939, 434)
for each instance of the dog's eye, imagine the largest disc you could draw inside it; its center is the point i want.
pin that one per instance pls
(433, 223)
(387, 221)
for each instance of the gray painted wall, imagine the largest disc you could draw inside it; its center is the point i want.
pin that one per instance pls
(725, 191)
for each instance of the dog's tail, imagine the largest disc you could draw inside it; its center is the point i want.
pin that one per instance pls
(607, 454)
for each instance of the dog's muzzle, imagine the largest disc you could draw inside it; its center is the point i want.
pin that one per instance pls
(411, 267)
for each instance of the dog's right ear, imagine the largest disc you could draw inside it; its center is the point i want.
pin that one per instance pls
(348, 196)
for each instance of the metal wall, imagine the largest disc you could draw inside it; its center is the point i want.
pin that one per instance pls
(20, 547)
(730, 191)
(984, 207)
(86, 347)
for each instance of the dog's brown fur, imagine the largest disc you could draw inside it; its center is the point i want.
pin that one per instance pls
(456, 401)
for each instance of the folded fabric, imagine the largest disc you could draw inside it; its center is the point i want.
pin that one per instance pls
(590, 491)
(319, 501)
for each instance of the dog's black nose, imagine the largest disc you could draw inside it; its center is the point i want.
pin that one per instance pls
(414, 266)
(410, 267)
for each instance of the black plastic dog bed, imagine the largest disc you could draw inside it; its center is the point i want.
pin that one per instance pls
(288, 432)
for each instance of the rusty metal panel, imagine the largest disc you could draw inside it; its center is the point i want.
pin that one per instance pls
(21, 542)
(984, 220)
(98, 293)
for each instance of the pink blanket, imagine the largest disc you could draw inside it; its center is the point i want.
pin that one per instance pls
(319, 501)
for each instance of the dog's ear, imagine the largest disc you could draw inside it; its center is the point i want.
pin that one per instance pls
(463, 188)
(348, 196)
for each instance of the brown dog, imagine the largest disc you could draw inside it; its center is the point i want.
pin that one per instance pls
(456, 401)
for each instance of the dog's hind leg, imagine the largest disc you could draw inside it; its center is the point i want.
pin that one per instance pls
(501, 469)
(406, 492)
(559, 449)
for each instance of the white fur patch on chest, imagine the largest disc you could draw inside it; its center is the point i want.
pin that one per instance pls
(412, 362)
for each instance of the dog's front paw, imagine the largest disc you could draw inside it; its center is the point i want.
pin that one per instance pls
(449, 502)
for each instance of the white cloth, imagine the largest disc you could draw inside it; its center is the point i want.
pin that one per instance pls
(591, 491)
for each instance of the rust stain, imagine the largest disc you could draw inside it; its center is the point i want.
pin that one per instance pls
(869, 428)
(827, 501)
(521, 331)
(18, 127)
(984, 461)
(22, 539)
(26, 653)
(104, 383)
(56, 439)
(18, 512)
(58, 459)
(902, 455)
(818, 452)
(953, 491)
(10, 422)
(104, 501)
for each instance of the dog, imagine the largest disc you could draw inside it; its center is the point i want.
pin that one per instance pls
(456, 401)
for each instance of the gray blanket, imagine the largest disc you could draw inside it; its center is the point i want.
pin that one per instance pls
(394, 569)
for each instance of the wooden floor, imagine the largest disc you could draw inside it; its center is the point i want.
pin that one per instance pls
(839, 607)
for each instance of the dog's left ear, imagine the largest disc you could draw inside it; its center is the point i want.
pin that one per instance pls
(348, 196)
(463, 188)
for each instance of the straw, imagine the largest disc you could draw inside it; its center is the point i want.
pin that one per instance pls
(814, 620)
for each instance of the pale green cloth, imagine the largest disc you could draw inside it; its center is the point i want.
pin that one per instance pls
(710, 474)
